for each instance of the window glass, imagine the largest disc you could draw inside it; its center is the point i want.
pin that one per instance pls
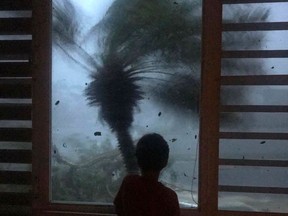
(123, 67)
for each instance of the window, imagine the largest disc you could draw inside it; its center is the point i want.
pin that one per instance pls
(87, 165)
(221, 189)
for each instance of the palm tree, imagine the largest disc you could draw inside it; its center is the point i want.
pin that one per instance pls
(171, 31)
(115, 91)
(141, 40)
(113, 88)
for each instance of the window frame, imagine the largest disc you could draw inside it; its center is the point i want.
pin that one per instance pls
(209, 118)
(208, 151)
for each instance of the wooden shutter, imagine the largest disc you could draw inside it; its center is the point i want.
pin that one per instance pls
(264, 82)
(15, 107)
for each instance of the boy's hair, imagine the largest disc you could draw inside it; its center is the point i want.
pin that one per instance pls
(152, 152)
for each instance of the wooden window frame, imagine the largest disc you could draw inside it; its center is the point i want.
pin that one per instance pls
(209, 118)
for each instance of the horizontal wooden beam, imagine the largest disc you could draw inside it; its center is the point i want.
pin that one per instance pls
(244, 162)
(16, 134)
(14, 177)
(246, 189)
(254, 108)
(15, 57)
(251, 1)
(15, 111)
(58, 207)
(255, 80)
(15, 90)
(77, 213)
(15, 69)
(15, 80)
(267, 26)
(15, 156)
(14, 210)
(255, 54)
(15, 198)
(7, 5)
(8, 47)
(245, 213)
(251, 135)
(15, 26)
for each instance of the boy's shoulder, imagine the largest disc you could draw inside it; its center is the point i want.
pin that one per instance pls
(131, 177)
(168, 190)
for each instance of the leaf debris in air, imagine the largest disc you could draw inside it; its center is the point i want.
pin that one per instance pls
(97, 133)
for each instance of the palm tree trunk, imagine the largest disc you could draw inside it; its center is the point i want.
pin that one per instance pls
(127, 150)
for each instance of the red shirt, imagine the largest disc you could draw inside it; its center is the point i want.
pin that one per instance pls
(139, 196)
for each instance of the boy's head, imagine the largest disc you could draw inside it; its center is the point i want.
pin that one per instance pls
(152, 152)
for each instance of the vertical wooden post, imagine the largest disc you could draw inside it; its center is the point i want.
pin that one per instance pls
(209, 107)
(41, 94)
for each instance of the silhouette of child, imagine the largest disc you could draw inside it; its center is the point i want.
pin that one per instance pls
(144, 195)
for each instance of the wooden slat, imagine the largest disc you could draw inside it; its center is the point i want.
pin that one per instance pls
(15, 198)
(15, 145)
(15, 90)
(255, 80)
(268, 26)
(15, 26)
(253, 108)
(15, 156)
(15, 69)
(245, 213)
(255, 54)
(15, 80)
(243, 135)
(7, 5)
(15, 111)
(14, 210)
(14, 177)
(14, 58)
(81, 208)
(246, 189)
(15, 47)
(250, 1)
(79, 213)
(16, 134)
(244, 162)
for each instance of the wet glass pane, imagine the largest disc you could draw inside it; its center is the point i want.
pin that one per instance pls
(256, 40)
(233, 67)
(256, 122)
(256, 12)
(253, 202)
(254, 95)
(138, 73)
(268, 66)
(233, 175)
(259, 149)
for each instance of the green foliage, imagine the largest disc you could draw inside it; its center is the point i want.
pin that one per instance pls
(88, 181)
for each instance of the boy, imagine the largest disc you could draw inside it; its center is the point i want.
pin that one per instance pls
(144, 195)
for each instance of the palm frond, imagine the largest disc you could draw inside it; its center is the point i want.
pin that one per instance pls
(66, 34)
(116, 92)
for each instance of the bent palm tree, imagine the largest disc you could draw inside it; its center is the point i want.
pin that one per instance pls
(141, 40)
(171, 30)
(115, 91)
(113, 88)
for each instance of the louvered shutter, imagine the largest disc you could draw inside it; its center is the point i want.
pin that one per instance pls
(15, 107)
(253, 169)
